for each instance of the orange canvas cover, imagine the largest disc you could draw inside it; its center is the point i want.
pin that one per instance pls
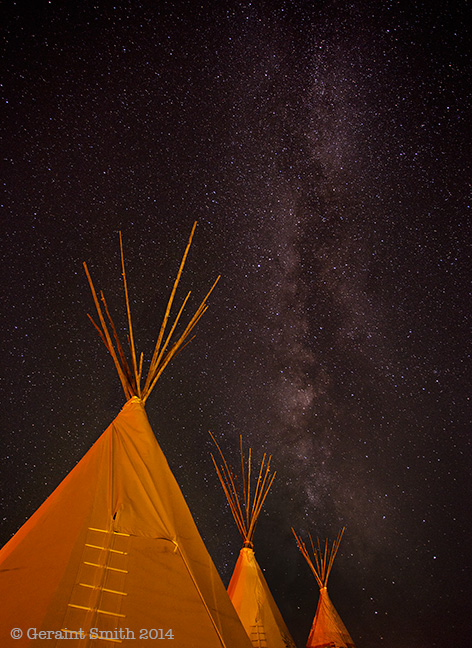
(328, 630)
(115, 549)
(255, 605)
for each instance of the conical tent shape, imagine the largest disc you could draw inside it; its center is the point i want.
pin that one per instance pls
(115, 546)
(328, 630)
(251, 596)
(248, 588)
(114, 552)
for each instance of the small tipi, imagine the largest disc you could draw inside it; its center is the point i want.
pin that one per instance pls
(248, 588)
(113, 554)
(327, 630)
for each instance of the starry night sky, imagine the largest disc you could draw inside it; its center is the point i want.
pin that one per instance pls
(323, 147)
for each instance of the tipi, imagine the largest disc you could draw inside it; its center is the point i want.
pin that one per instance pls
(113, 554)
(248, 588)
(327, 630)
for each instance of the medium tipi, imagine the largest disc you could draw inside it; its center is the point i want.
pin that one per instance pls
(114, 554)
(248, 588)
(327, 630)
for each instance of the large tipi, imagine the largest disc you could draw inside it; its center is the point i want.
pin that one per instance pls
(327, 630)
(248, 588)
(114, 554)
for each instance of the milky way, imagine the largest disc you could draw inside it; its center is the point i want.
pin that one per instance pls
(323, 148)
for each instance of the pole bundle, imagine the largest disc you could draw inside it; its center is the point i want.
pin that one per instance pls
(245, 505)
(166, 347)
(323, 559)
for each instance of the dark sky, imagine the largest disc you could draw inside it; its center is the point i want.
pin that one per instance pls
(324, 149)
